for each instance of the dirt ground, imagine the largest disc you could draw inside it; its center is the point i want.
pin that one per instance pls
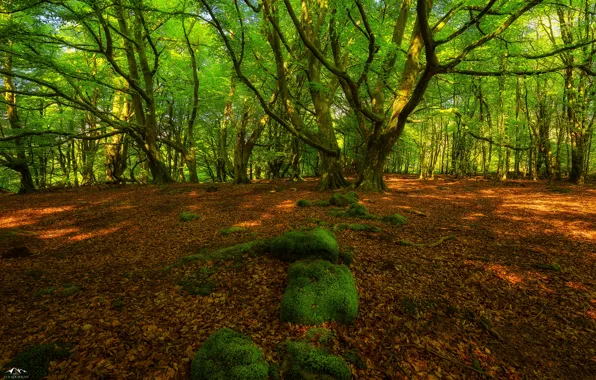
(490, 300)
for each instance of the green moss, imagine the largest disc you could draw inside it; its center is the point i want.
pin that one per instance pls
(36, 359)
(337, 212)
(320, 335)
(199, 283)
(354, 211)
(44, 292)
(70, 290)
(304, 203)
(188, 216)
(347, 256)
(343, 200)
(117, 304)
(297, 245)
(228, 354)
(303, 361)
(317, 292)
(354, 358)
(231, 230)
(554, 267)
(322, 203)
(234, 252)
(279, 189)
(396, 219)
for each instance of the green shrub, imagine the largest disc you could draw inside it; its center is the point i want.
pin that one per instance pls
(322, 203)
(187, 216)
(36, 359)
(317, 292)
(303, 361)
(228, 354)
(396, 219)
(304, 203)
(297, 245)
(231, 230)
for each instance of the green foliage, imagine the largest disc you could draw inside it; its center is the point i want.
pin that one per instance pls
(319, 291)
(303, 361)
(322, 203)
(188, 216)
(229, 355)
(297, 245)
(231, 230)
(44, 292)
(396, 219)
(36, 359)
(304, 203)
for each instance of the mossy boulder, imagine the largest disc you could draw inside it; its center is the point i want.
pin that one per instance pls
(354, 211)
(322, 203)
(320, 335)
(229, 355)
(304, 203)
(303, 361)
(343, 200)
(318, 243)
(188, 216)
(396, 219)
(319, 291)
(36, 359)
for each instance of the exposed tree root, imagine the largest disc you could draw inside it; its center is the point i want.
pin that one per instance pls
(438, 242)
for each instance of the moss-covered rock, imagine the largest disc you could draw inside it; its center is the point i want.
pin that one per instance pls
(187, 216)
(322, 203)
(354, 211)
(229, 355)
(304, 203)
(396, 219)
(36, 359)
(318, 243)
(319, 291)
(231, 230)
(343, 200)
(303, 361)
(347, 256)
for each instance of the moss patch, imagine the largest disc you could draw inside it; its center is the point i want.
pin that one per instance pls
(320, 335)
(228, 354)
(44, 292)
(188, 216)
(199, 283)
(322, 203)
(319, 291)
(318, 243)
(304, 361)
(234, 252)
(231, 230)
(70, 290)
(396, 219)
(355, 211)
(343, 200)
(36, 359)
(304, 203)
(347, 256)
(356, 227)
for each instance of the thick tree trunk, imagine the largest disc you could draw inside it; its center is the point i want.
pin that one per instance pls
(241, 170)
(577, 174)
(331, 173)
(370, 177)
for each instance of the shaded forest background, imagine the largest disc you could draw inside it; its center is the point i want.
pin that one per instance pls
(132, 91)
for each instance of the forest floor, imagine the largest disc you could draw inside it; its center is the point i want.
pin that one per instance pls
(491, 300)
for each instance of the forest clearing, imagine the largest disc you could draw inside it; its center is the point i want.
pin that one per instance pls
(485, 301)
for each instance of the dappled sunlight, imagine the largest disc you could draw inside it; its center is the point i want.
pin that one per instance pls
(30, 216)
(504, 273)
(250, 223)
(56, 233)
(94, 234)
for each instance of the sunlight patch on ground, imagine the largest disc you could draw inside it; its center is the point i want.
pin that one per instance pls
(90, 235)
(505, 274)
(248, 224)
(51, 234)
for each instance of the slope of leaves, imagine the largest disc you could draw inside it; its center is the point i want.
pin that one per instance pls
(482, 302)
